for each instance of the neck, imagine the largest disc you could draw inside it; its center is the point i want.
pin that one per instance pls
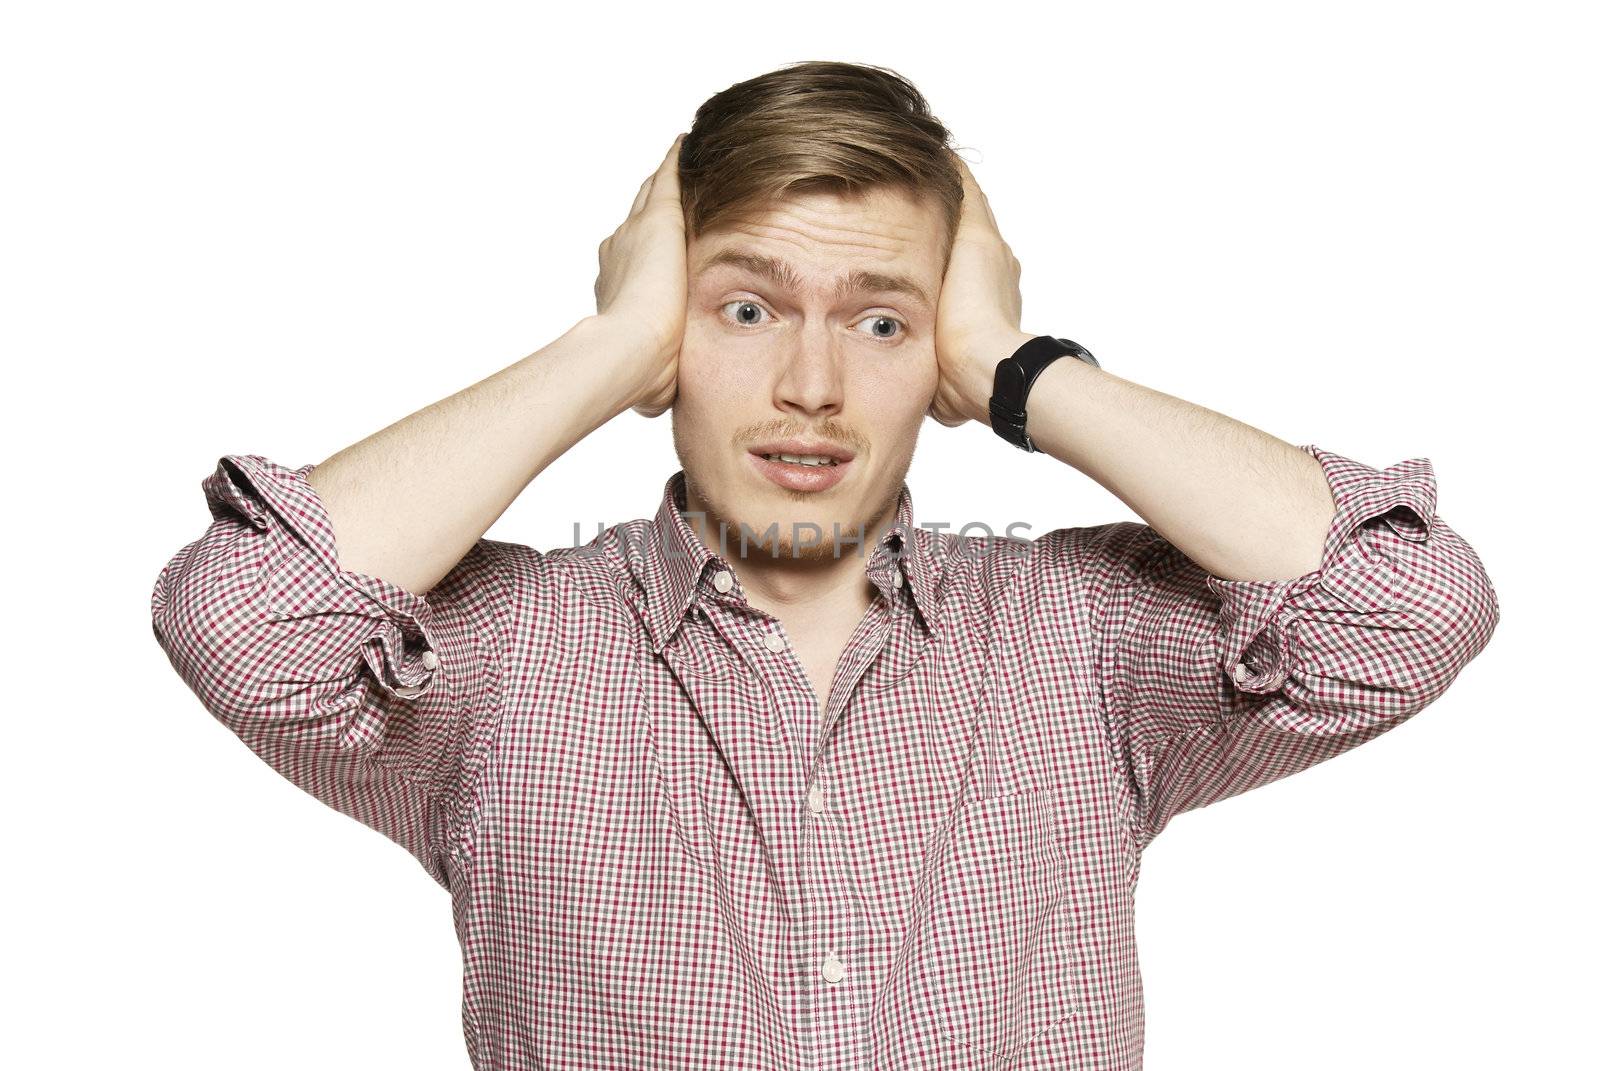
(791, 588)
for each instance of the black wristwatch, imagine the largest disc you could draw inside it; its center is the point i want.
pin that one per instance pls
(1013, 378)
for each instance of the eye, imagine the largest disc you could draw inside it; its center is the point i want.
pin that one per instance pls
(748, 314)
(743, 304)
(888, 319)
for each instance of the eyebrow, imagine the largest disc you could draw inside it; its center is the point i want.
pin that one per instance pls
(782, 273)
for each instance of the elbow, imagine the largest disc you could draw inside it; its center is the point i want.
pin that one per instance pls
(1443, 610)
(1455, 632)
(268, 681)
(210, 612)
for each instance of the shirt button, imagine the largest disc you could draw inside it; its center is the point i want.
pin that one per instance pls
(898, 579)
(832, 970)
(722, 581)
(774, 641)
(430, 660)
(814, 799)
(1241, 671)
(406, 691)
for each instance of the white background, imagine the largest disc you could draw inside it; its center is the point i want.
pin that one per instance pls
(277, 228)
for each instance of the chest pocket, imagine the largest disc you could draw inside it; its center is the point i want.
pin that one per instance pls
(996, 965)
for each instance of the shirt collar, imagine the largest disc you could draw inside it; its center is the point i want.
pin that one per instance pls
(677, 569)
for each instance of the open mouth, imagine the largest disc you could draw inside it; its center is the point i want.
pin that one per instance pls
(809, 460)
(800, 472)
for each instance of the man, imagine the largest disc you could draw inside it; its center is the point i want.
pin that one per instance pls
(778, 778)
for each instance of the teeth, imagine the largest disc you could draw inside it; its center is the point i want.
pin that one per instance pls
(800, 459)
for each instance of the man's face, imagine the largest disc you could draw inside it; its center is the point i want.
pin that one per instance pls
(796, 330)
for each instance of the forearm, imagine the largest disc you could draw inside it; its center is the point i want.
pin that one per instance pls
(1240, 503)
(408, 502)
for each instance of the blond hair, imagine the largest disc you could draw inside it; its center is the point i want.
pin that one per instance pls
(815, 126)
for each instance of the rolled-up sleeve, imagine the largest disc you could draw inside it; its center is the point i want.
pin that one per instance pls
(372, 698)
(1212, 687)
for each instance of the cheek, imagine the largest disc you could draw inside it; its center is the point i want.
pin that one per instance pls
(900, 390)
(710, 370)
(889, 402)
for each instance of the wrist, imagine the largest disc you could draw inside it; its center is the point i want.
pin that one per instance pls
(635, 345)
(636, 359)
(980, 357)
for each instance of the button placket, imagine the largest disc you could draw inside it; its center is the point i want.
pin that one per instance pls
(830, 935)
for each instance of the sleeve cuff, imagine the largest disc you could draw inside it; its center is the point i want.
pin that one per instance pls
(1253, 622)
(305, 576)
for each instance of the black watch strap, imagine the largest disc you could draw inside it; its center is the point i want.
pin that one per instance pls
(1013, 378)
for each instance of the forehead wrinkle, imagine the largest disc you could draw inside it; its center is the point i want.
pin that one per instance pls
(781, 273)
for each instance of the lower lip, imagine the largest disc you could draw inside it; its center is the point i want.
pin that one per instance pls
(800, 477)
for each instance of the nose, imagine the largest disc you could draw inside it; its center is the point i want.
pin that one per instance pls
(811, 380)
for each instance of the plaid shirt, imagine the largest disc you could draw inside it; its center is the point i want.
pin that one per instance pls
(661, 853)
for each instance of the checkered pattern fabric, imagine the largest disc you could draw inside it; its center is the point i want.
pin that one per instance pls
(663, 854)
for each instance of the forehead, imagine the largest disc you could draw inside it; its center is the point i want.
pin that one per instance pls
(878, 240)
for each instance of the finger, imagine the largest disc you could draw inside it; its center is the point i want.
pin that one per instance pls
(642, 196)
(985, 206)
(974, 196)
(969, 186)
(974, 214)
(988, 212)
(664, 183)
